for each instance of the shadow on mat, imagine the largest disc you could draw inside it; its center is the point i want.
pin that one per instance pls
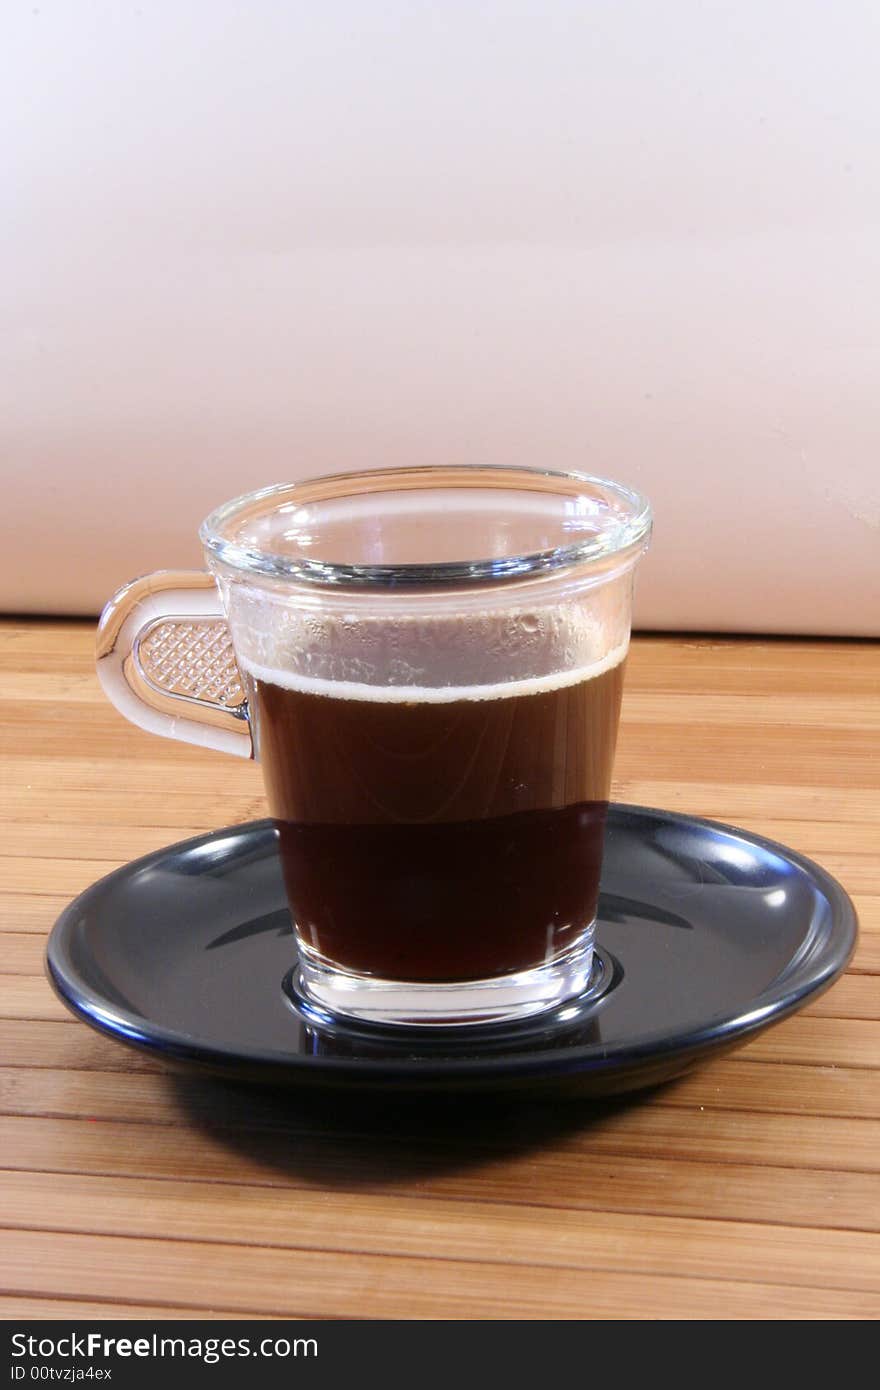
(372, 1140)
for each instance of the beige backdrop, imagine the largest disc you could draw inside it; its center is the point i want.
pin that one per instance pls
(634, 239)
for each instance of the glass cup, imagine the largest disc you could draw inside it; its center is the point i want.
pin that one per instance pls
(428, 663)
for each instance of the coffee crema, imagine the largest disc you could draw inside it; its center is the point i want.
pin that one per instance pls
(441, 834)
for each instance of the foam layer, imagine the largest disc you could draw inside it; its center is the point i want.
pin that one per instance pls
(438, 695)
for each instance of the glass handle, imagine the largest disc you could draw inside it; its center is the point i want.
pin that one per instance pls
(165, 660)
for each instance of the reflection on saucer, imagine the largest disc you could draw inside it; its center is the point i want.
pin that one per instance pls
(576, 1020)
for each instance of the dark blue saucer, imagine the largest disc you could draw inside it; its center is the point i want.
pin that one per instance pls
(707, 935)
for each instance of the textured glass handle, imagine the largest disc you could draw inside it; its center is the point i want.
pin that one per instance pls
(165, 660)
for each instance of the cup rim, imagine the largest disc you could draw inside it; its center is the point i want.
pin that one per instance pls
(616, 546)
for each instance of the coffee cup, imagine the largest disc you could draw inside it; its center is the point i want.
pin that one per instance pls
(428, 664)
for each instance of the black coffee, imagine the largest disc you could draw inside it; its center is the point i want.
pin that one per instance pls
(434, 839)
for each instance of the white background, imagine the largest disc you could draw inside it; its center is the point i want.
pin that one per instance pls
(247, 242)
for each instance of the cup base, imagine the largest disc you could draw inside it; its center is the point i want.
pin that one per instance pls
(326, 990)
